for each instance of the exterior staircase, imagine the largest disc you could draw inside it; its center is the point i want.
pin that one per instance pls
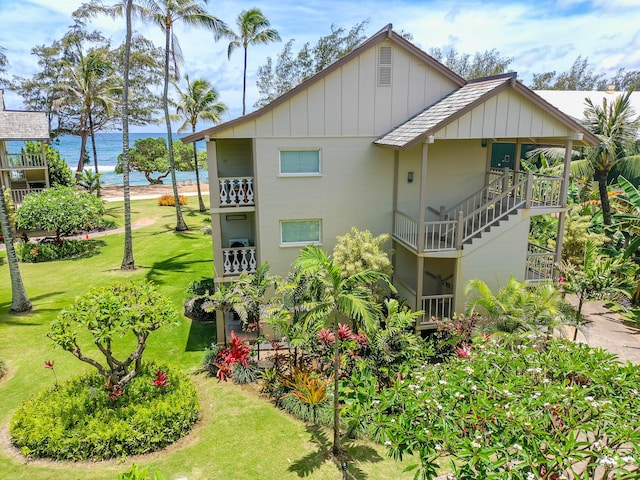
(504, 195)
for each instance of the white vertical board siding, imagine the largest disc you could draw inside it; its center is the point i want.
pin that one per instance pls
(333, 104)
(507, 115)
(315, 95)
(299, 115)
(264, 125)
(282, 120)
(350, 98)
(367, 85)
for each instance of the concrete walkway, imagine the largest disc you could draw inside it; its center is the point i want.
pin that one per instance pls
(604, 329)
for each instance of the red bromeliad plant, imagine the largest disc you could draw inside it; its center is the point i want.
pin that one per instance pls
(162, 380)
(237, 351)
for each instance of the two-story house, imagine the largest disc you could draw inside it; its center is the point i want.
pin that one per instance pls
(390, 140)
(22, 172)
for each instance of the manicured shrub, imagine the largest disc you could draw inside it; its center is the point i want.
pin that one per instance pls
(170, 201)
(36, 252)
(82, 419)
(63, 210)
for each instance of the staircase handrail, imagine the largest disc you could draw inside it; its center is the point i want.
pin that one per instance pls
(472, 222)
(482, 195)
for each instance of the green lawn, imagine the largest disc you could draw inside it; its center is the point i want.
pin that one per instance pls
(240, 435)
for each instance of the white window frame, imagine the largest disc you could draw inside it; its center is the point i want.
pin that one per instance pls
(300, 174)
(304, 242)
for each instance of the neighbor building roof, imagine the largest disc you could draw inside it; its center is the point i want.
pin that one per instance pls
(23, 125)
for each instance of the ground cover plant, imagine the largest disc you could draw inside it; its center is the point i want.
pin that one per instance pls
(86, 418)
(232, 418)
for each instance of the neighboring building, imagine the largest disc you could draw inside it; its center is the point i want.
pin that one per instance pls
(21, 172)
(390, 140)
(572, 102)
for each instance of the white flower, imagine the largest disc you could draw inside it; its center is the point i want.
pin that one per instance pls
(475, 444)
(469, 370)
(530, 476)
(517, 448)
(628, 459)
(474, 388)
(437, 447)
(597, 446)
(442, 382)
(607, 462)
(458, 395)
(387, 443)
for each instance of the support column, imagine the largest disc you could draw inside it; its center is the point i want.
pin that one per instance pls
(419, 288)
(563, 199)
(516, 161)
(46, 164)
(422, 206)
(220, 338)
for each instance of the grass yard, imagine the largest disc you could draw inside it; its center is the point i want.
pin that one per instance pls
(239, 436)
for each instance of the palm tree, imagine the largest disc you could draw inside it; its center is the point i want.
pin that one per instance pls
(253, 28)
(165, 14)
(199, 101)
(614, 124)
(95, 87)
(346, 295)
(19, 299)
(128, 262)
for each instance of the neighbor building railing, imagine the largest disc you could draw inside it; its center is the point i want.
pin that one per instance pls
(23, 160)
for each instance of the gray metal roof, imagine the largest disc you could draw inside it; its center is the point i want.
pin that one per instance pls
(442, 112)
(23, 125)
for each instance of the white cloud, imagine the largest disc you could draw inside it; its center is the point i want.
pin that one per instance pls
(541, 36)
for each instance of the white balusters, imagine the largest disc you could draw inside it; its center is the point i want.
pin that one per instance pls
(239, 260)
(236, 191)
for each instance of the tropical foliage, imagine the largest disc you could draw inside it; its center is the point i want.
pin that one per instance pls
(87, 418)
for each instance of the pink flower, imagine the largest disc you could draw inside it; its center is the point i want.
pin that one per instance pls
(49, 363)
(361, 339)
(344, 332)
(561, 279)
(326, 336)
(464, 350)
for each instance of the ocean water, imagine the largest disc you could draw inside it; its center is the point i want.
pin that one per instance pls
(109, 146)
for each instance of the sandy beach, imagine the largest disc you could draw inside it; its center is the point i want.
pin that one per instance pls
(116, 192)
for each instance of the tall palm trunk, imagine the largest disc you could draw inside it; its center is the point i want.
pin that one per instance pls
(95, 153)
(127, 259)
(19, 299)
(84, 134)
(195, 164)
(603, 177)
(181, 226)
(244, 81)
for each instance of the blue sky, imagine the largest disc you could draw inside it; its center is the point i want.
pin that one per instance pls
(541, 35)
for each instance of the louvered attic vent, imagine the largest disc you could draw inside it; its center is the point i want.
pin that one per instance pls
(384, 66)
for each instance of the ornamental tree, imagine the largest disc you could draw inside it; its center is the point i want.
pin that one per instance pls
(110, 314)
(63, 210)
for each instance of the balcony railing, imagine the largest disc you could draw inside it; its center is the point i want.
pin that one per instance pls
(468, 219)
(239, 260)
(540, 263)
(436, 307)
(17, 195)
(23, 160)
(236, 192)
